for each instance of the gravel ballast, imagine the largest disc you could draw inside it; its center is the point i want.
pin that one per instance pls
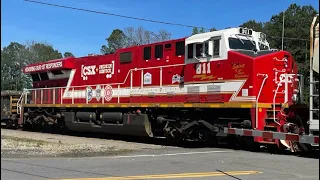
(34, 144)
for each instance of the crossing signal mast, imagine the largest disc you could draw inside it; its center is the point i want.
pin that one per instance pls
(314, 84)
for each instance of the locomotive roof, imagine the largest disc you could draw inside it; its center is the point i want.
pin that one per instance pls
(63, 63)
(188, 40)
(61, 59)
(206, 36)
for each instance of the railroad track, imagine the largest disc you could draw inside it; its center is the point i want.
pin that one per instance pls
(165, 142)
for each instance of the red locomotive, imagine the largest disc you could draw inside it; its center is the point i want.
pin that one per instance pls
(183, 89)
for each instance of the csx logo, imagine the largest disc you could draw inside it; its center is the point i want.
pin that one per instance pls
(87, 71)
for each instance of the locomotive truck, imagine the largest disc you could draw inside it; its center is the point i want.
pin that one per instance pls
(205, 87)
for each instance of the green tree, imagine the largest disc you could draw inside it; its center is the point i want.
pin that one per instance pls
(41, 52)
(252, 24)
(15, 56)
(213, 29)
(297, 23)
(116, 40)
(202, 30)
(195, 31)
(105, 49)
(68, 54)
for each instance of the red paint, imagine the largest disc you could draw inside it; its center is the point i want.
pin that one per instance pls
(292, 137)
(225, 69)
(64, 63)
(267, 135)
(247, 133)
(231, 131)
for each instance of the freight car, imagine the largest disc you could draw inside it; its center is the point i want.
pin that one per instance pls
(9, 114)
(183, 89)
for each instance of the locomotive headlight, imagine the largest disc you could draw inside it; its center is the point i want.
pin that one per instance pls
(241, 30)
(245, 31)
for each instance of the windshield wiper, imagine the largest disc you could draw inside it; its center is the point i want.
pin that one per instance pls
(239, 38)
(250, 41)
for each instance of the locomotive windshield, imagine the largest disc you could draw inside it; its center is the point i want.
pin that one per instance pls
(237, 43)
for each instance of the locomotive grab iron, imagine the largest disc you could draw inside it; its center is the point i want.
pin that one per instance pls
(184, 89)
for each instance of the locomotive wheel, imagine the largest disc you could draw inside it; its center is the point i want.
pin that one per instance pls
(27, 126)
(233, 142)
(248, 144)
(60, 127)
(273, 149)
(174, 136)
(201, 133)
(9, 124)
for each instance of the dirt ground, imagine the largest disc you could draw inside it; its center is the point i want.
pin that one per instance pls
(30, 144)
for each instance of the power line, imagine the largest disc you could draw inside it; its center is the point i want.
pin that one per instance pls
(112, 14)
(278, 37)
(140, 19)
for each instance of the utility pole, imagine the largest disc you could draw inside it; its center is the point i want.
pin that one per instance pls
(282, 29)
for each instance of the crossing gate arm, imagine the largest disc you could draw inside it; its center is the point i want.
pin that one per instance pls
(307, 139)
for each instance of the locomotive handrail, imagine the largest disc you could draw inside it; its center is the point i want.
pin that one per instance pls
(125, 80)
(285, 80)
(283, 59)
(262, 85)
(130, 70)
(274, 102)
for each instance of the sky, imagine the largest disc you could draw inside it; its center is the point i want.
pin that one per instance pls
(83, 33)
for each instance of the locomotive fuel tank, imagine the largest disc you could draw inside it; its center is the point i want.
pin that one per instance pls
(85, 116)
(111, 117)
(112, 122)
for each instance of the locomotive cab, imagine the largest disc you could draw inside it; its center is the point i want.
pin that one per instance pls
(213, 46)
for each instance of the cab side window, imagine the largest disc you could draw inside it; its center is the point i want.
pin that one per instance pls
(216, 47)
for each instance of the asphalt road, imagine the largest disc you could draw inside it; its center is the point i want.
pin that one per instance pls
(176, 163)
